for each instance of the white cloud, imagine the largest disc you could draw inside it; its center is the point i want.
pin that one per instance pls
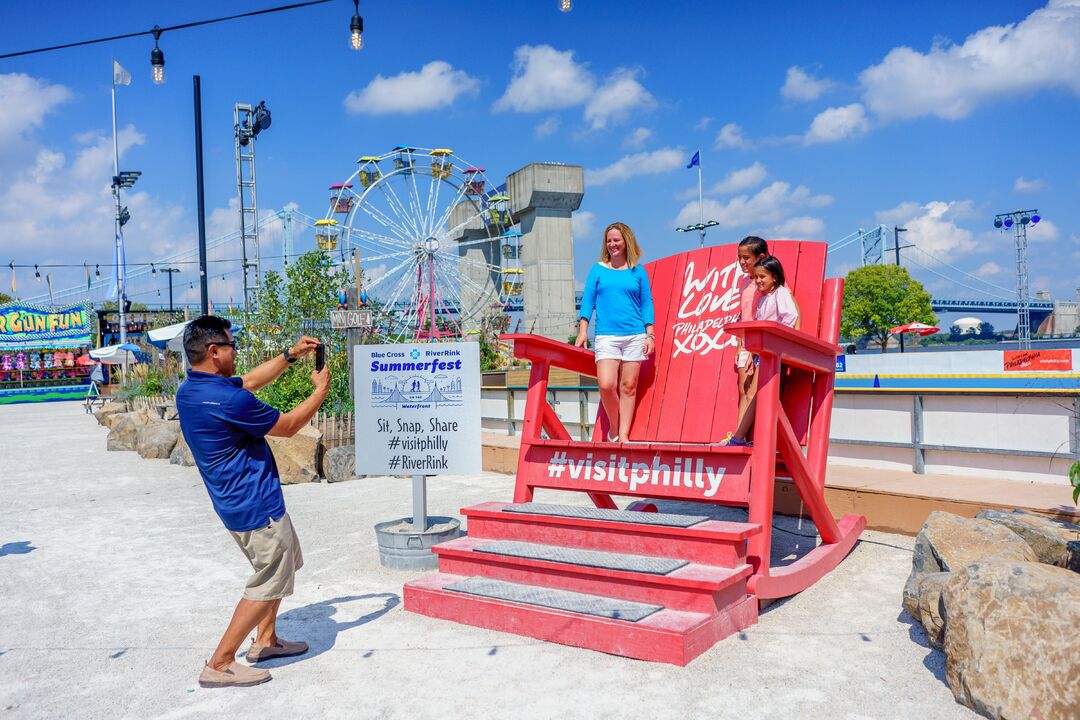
(1044, 231)
(59, 208)
(637, 138)
(801, 86)
(933, 228)
(26, 101)
(436, 85)
(950, 81)
(545, 79)
(769, 206)
(583, 223)
(732, 136)
(799, 228)
(1023, 185)
(989, 269)
(620, 96)
(703, 123)
(643, 163)
(837, 123)
(549, 126)
(741, 179)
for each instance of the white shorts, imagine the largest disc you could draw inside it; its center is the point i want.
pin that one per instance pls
(620, 347)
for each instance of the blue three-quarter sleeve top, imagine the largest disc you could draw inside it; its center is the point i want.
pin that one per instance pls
(622, 300)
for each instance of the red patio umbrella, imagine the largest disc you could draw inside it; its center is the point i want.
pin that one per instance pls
(915, 328)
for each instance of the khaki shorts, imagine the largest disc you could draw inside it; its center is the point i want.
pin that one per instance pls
(274, 553)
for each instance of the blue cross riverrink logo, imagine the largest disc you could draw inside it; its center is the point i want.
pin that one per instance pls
(415, 383)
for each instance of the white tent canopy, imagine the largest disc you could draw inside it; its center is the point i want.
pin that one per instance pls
(170, 337)
(125, 354)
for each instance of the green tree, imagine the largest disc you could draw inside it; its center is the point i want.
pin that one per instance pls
(287, 307)
(879, 297)
(5, 298)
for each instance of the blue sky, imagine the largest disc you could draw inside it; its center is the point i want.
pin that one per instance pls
(813, 119)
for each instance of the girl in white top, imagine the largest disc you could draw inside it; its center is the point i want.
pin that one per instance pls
(776, 303)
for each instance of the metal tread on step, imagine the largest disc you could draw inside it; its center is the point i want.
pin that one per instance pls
(605, 607)
(627, 516)
(588, 558)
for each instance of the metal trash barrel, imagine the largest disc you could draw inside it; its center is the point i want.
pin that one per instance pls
(401, 547)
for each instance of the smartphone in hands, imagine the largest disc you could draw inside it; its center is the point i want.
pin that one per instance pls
(320, 357)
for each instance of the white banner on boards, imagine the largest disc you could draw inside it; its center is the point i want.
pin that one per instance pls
(418, 409)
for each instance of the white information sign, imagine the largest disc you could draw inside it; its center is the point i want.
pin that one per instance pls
(418, 409)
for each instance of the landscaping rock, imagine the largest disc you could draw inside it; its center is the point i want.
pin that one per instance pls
(948, 542)
(181, 454)
(109, 410)
(123, 433)
(339, 464)
(298, 457)
(156, 440)
(1010, 639)
(931, 614)
(1054, 542)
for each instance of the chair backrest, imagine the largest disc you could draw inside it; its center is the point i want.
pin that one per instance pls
(687, 391)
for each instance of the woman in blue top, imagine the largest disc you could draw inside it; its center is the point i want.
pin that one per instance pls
(618, 289)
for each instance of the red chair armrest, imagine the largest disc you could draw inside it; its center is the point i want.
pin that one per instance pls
(541, 349)
(793, 347)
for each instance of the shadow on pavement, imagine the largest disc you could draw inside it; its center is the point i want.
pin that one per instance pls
(16, 548)
(315, 624)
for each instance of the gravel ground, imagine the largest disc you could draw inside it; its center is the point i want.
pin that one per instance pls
(116, 580)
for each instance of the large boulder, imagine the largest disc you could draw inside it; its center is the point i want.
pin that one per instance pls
(108, 411)
(1011, 639)
(181, 454)
(298, 457)
(156, 440)
(123, 435)
(931, 614)
(1054, 542)
(339, 464)
(948, 542)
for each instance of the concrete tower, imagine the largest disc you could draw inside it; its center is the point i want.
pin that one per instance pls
(543, 197)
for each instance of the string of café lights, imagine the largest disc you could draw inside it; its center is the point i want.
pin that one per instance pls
(157, 56)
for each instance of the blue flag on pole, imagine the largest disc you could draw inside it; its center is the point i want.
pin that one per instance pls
(696, 160)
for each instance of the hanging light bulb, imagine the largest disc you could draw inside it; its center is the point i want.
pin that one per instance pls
(97, 272)
(37, 274)
(356, 28)
(153, 270)
(566, 5)
(157, 59)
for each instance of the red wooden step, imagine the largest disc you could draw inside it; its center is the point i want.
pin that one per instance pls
(713, 542)
(670, 636)
(693, 587)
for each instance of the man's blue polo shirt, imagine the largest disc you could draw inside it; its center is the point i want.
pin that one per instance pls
(225, 426)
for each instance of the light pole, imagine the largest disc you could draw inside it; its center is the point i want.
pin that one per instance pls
(896, 247)
(700, 228)
(122, 181)
(170, 271)
(1018, 221)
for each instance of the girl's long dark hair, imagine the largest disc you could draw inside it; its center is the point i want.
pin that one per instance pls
(771, 265)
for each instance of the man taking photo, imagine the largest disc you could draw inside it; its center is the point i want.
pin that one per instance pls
(225, 426)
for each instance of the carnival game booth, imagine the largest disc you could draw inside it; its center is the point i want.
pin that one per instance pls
(662, 586)
(43, 353)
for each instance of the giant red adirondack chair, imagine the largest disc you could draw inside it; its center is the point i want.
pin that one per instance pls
(661, 586)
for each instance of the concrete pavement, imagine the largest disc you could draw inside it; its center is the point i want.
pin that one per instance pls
(116, 580)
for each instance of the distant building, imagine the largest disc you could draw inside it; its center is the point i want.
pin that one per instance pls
(968, 324)
(1065, 318)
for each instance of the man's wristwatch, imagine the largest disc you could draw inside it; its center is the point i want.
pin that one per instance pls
(288, 358)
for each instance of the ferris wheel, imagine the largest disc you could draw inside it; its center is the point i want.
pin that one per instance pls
(433, 239)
